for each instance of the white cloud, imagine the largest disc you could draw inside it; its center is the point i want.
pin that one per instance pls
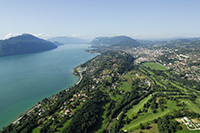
(42, 35)
(77, 35)
(9, 35)
(144, 36)
(74, 35)
(39, 35)
(105, 35)
(135, 35)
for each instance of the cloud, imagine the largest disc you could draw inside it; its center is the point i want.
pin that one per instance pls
(39, 35)
(106, 35)
(42, 35)
(74, 35)
(9, 35)
(77, 35)
(146, 35)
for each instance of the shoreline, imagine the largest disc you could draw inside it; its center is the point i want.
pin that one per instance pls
(80, 74)
(75, 80)
(36, 105)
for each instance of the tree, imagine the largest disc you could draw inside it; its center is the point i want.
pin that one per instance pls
(141, 126)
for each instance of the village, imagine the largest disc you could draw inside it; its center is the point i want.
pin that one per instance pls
(185, 63)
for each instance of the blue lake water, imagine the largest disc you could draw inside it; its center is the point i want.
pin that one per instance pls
(27, 79)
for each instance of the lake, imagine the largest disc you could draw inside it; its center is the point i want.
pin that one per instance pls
(29, 78)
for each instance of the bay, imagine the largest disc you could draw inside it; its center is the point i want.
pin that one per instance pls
(27, 79)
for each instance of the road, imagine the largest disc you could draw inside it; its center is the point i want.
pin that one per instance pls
(188, 126)
(26, 113)
(81, 76)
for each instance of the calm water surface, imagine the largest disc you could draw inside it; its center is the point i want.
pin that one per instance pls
(27, 79)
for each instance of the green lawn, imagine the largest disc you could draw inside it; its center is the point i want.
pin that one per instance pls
(158, 83)
(152, 77)
(146, 117)
(150, 72)
(125, 86)
(154, 65)
(163, 82)
(129, 78)
(117, 97)
(64, 125)
(188, 131)
(36, 130)
(178, 86)
(142, 70)
(136, 108)
(153, 129)
(197, 100)
(190, 105)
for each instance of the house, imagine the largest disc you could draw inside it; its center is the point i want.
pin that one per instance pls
(67, 111)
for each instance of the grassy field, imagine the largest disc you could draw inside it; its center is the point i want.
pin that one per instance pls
(188, 131)
(142, 70)
(152, 75)
(197, 100)
(153, 129)
(191, 105)
(36, 130)
(181, 88)
(64, 125)
(136, 108)
(125, 86)
(117, 97)
(163, 82)
(154, 65)
(150, 72)
(147, 117)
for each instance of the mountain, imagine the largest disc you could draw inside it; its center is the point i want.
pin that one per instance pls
(117, 41)
(180, 41)
(24, 44)
(68, 40)
(57, 43)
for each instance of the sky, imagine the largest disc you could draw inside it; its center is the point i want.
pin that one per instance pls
(139, 19)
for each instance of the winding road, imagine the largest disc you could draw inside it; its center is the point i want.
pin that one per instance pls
(80, 73)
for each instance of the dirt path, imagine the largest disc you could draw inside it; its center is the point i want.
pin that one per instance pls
(109, 125)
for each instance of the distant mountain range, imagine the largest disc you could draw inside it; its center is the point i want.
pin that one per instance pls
(68, 40)
(24, 44)
(116, 41)
(171, 41)
(27, 43)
